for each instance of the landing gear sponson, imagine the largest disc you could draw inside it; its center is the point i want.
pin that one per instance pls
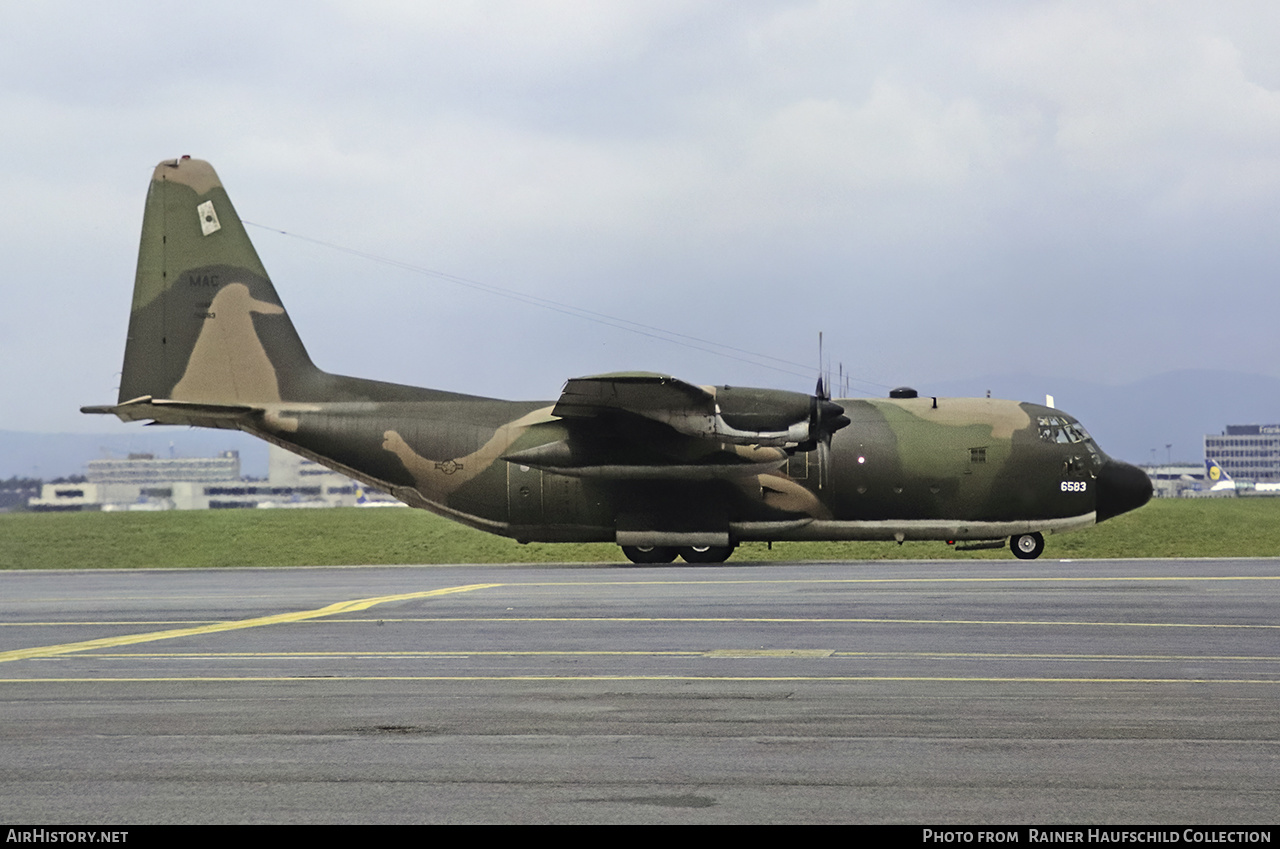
(1024, 547)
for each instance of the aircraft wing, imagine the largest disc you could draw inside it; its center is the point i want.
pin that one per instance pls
(641, 425)
(734, 416)
(656, 396)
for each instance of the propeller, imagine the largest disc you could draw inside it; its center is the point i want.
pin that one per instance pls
(825, 418)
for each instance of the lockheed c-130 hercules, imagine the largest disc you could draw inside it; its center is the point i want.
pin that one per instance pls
(659, 466)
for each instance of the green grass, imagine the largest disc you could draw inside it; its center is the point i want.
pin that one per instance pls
(1218, 527)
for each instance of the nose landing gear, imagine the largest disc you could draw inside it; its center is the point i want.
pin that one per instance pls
(1027, 546)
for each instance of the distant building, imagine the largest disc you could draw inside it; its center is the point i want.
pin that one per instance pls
(145, 482)
(141, 482)
(65, 497)
(1173, 480)
(1247, 452)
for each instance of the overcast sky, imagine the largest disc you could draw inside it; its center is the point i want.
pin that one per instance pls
(945, 190)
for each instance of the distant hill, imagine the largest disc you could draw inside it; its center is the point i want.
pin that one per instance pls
(55, 455)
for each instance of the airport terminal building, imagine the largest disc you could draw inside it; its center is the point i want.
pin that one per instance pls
(146, 482)
(1247, 452)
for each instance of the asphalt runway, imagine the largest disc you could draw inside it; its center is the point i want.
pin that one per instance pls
(1134, 691)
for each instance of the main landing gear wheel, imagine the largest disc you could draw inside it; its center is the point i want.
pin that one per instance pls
(706, 553)
(1027, 546)
(649, 553)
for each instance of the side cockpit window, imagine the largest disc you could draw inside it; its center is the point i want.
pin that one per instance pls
(1062, 431)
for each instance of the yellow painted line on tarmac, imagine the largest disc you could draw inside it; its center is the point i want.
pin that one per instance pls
(822, 621)
(815, 679)
(995, 579)
(429, 654)
(775, 620)
(741, 653)
(394, 655)
(111, 622)
(277, 619)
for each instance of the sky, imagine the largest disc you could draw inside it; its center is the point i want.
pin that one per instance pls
(1082, 190)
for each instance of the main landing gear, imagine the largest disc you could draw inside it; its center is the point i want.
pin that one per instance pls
(1026, 546)
(666, 554)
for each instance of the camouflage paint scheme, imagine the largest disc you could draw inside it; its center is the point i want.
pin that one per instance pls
(655, 464)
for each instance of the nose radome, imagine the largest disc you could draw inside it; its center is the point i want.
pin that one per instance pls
(1121, 488)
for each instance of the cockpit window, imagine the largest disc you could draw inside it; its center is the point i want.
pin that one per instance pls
(1060, 430)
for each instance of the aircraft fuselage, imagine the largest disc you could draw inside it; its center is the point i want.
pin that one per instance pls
(918, 468)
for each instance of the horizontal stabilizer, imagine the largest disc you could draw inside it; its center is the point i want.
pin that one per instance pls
(167, 411)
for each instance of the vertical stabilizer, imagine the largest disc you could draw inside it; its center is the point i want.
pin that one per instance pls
(207, 325)
(1217, 477)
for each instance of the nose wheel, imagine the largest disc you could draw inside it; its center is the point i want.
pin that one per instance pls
(1027, 546)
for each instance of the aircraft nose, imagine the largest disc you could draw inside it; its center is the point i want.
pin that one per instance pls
(1121, 488)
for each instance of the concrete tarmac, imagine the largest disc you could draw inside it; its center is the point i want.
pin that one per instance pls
(1004, 692)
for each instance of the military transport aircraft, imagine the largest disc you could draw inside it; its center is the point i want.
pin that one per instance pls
(659, 466)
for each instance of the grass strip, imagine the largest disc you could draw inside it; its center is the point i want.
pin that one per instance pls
(1209, 527)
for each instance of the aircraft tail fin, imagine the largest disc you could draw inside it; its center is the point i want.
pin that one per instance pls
(207, 325)
(1217, 476)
